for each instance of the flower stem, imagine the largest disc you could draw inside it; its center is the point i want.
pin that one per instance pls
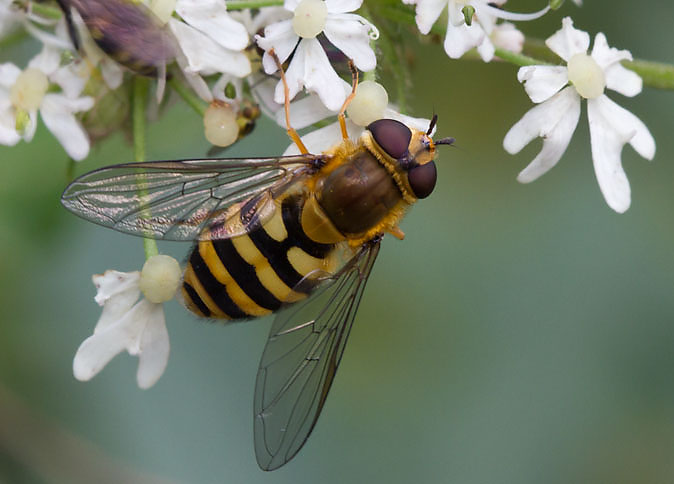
(242, 4)
(654, 74)
(192, 100)
(517, 59)
(139, 94)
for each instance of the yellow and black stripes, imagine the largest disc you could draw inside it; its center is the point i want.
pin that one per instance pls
(254, 274)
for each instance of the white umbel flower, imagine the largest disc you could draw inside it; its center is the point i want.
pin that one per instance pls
(556, 117)
(211, 41)
(128, 324)
(461, 37)
(310, 67)
(24, 93)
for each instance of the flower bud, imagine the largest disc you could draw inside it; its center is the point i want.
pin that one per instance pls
(369, 103)
(220, 126)
(160, 278)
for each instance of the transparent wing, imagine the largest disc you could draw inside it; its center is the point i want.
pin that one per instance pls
(298, 366)
(176, 200)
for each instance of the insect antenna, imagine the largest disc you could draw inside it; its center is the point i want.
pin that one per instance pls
(445, 141)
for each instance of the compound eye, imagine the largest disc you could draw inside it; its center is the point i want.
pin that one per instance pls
(422, 179)
(392, 136)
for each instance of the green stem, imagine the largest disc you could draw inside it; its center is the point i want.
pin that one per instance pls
(140, 88)
(192, 100)
(517, 59)
(242, 4)
(654, 74)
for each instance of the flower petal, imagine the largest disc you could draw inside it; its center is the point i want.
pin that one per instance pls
(206, 56)
(555, 121)
(154, 347)
(47, 60)
(542, 82)
(98, 349)
(623, 80)
(343, 6)
(9, 73)
(281, 37)
(611, 126)
(211, 18)
(568, 41)
(8, 134)
(460, 39)
(352, 37)
(428, 12)
(72, 78)
(117, 292)
(57, 114)
(263, 88)
(305, 112)
(486, 49)
(47, 39)
(31, 126)
(112, 73)
(618, 78)
(95, 352)
(310, 67)
(506, 36)
(605, 55)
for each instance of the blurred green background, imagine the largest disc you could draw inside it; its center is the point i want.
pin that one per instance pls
(520, 333)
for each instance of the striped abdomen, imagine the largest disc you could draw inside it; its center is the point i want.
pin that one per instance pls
(252, 275)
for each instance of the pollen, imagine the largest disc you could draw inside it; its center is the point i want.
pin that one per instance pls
(369, 103)
(160, 278)
(310, 16)
(586, 76)
(220, 126)
(29, 89)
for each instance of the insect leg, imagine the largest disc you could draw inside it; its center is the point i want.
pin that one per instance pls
(72, 31)
(347, 101)
(289, 129)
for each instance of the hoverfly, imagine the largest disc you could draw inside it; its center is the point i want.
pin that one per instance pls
(125, 30)
(293, 235)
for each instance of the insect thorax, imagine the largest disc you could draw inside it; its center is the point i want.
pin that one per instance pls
(359, 195)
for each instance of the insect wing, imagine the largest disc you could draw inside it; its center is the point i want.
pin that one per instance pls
(298, 366)
(176, 200)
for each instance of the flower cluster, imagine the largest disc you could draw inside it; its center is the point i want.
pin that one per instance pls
(224, 61)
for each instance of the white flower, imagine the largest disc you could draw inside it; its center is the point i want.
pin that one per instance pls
(506, 36)
(461, 37)
(310, 67)
(127, 324)
(24, 93)
(555, 119)
(211, 41)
